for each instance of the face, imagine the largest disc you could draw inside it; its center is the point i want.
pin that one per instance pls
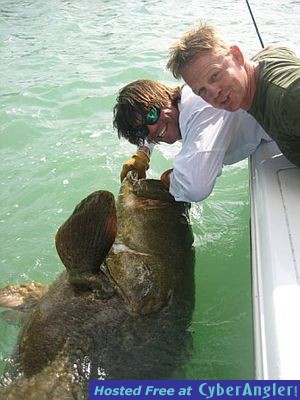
(166, 128)
(220, 80)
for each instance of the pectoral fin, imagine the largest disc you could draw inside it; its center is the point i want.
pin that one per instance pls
(84, 240)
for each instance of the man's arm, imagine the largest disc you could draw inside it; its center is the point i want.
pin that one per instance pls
(206, 136)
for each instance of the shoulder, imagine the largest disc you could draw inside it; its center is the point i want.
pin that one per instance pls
(274, 51)
(192, 105)
(189, 97)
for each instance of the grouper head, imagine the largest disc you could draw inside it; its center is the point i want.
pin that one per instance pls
(138, 248)
(152, 253)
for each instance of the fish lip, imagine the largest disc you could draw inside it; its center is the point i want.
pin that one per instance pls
(132, 176)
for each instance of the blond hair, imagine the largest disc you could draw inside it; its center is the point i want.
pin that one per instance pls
(201, 40)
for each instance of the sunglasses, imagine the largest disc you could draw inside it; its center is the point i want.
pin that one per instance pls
(151, 118)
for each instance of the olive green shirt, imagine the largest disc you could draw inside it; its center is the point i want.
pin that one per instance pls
(276, 104)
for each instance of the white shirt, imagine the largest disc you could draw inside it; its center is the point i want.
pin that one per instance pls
(210, 139)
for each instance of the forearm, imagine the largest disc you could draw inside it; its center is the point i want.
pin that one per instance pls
(194, 175)
(146, 147)
(187, 190)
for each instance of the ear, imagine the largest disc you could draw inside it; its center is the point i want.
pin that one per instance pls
(237, 55)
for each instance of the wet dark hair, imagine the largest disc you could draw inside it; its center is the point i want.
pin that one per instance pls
(135, 100)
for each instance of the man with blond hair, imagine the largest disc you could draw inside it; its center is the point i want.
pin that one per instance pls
(267, 86)
(149, 112)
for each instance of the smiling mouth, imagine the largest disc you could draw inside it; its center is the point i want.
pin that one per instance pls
(224, 100)
(162, 133)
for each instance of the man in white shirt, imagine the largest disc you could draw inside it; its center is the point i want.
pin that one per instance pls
(148, 112)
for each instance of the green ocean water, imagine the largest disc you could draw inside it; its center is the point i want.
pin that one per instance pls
(62, 63)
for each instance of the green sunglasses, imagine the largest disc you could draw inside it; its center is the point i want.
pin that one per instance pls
(151, 118)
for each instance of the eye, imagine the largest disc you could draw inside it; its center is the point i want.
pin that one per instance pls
(215, 76)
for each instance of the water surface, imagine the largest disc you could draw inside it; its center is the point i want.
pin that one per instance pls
(62, 63)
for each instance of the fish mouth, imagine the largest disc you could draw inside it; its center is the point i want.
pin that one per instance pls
(132, 176)
(151, 192)
(139, 192)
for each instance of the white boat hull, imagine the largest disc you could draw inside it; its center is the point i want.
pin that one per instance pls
(275, 238)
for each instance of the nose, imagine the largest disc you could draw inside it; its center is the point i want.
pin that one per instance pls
(212, 93)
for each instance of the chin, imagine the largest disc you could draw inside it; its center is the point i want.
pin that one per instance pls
(232, 107)
(171, 141)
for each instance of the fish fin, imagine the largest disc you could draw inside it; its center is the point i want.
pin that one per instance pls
(84, 240)
(22, 297)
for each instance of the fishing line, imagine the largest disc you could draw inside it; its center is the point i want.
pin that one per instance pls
(253, 19)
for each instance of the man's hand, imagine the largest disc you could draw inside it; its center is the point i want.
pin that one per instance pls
(165, 178)
(139, 162)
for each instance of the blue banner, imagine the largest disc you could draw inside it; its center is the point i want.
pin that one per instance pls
(193, 390)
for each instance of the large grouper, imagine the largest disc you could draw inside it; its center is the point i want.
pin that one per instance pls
(123, 307)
